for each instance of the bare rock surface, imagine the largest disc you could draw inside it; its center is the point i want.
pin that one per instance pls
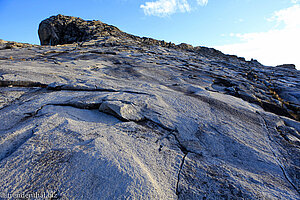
(118, 117)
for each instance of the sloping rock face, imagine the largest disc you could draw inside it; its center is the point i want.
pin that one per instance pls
(117, 117)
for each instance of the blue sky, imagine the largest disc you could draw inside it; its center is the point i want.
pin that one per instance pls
(266, 30)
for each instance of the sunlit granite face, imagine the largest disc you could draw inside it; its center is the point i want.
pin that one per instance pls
(119, 117)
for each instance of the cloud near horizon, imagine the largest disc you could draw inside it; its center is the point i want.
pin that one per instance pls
(274, 47)
(163, 8)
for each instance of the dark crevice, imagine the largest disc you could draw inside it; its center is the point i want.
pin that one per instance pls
(87, 106)
(181, 147)
(134, 92)
(179, 173)
(32, 84)
(66, 88)
(103, 52)
(22, 84)
(285, 174)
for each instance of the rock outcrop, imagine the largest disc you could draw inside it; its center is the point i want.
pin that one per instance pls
(108, 115)
(62, 29)
(287, 66)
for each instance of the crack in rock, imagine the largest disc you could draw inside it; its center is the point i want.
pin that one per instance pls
(30, 84)
(179, 173)
(268, 138)
(57, 87)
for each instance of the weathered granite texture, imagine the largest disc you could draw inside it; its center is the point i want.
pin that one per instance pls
(115, 117)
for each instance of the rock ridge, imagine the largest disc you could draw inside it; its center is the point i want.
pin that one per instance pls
(60, 29)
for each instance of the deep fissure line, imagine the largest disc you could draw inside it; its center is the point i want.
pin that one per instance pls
(179, 173)
(285, 174)
(22, 84)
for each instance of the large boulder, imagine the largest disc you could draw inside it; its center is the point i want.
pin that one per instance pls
(62, 29)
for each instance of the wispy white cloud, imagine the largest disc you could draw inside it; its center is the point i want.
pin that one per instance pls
(202, 2)
(290, 16)
(273, 47)
(164, 8)
(295, 1)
